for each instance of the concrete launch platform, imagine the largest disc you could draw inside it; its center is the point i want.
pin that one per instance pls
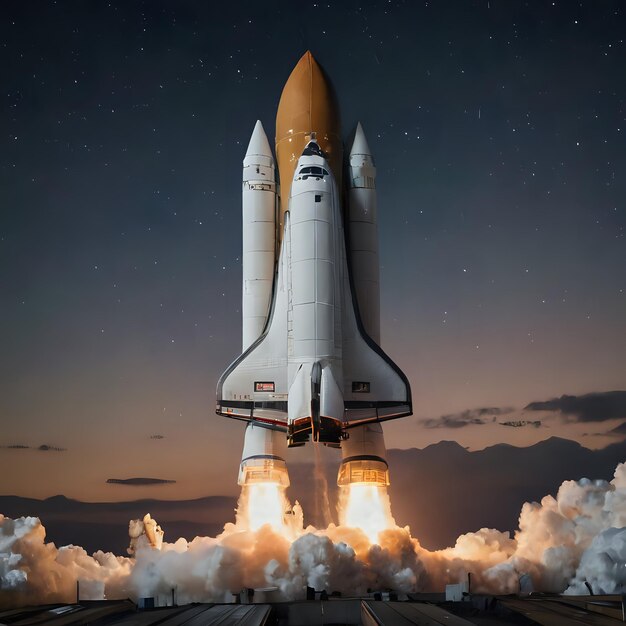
(477, 611)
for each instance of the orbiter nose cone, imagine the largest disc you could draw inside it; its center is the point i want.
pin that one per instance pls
(307, 105)
(313, 149)
(259, 145)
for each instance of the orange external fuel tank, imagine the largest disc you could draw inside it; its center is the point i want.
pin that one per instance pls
(307, 105)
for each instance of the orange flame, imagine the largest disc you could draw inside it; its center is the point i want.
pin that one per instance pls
(366, 506)
(266, 503)
(263, 503)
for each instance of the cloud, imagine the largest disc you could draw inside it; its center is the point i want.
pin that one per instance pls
(134, 482)
(157, 437)
(591, 407)
(618, 430)
(470, 417)
(44, 447)
(521, 423)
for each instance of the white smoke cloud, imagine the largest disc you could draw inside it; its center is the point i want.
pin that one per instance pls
(144, 533)
(33, 571)
(564, 541)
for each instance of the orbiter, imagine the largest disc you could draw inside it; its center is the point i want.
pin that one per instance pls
(311, 366)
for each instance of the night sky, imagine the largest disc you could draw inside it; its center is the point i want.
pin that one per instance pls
(499, 133)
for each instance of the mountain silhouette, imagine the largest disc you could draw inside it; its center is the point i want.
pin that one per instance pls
(440, 491)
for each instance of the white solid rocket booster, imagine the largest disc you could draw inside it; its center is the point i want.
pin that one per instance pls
(263, 449)
(263, 457)
(363, 233)
(259, 234)
(363, 453)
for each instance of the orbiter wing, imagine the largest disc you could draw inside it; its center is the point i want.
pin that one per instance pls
(255, 385)
(375, 388)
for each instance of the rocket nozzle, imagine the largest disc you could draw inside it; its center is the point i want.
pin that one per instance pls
(363, 471)
(263, 470)
(262, 460)
(363, 457)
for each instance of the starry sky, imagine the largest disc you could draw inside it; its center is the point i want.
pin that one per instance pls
(499, 133)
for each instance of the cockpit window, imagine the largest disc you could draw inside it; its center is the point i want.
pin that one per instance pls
(317, 172)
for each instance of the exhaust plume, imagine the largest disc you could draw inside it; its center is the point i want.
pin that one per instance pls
(562, 542)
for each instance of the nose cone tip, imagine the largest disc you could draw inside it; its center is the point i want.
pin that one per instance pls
(308, 102)
(359, 145)
(259, 144)
(307, 59)
(313, 149)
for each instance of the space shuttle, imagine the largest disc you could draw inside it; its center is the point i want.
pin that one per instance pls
(311, 367)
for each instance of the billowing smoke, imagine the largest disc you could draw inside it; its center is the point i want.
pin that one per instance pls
(562, 543)
(144, 533)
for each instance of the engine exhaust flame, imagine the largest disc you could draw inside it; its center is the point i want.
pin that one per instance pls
(266, 504)
(366, 506)
(261, 503)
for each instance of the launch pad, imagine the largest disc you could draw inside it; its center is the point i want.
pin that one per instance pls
(431, 610)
